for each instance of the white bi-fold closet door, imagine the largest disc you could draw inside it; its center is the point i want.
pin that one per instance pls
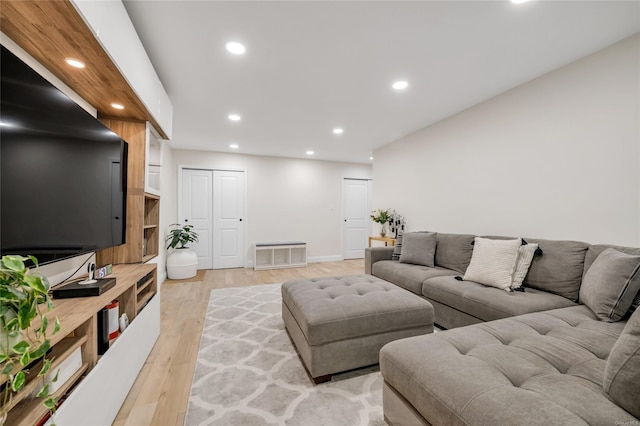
(213, 201)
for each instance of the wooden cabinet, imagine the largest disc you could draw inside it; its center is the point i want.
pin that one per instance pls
(143, 209)
(151, 227)
(136, 286)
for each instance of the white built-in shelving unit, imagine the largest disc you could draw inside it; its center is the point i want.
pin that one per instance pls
(276, 255)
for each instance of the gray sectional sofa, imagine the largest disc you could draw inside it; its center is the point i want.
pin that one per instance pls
(537, 356)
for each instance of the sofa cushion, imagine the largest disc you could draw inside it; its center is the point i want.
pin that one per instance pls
(407, 276)
(397, 248)
(536, 369)
(418, 248)
(611, 284)
(525, 257)
(493, 262)
(622, 371)
(488, 303)
(559, 269)
(594, 251)
(453, 251)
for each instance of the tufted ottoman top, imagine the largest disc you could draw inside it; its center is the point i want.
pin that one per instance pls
(337, 308)
(543, 368)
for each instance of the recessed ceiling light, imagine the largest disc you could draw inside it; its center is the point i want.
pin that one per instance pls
(400, 85)
(234, 117)
(338, 131)
(310, 152)
(370, 158)
(117, 106)
(76, 63)
(235, 48)
(234, 146)
(519, 1)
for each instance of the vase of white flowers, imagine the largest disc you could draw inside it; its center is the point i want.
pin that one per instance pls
(382, 217)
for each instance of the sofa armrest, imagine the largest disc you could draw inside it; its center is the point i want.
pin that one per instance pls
(375, 254)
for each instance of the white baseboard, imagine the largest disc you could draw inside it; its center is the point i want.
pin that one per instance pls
(318, 259)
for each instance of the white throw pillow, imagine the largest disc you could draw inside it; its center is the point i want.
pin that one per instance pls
(525, 257)
(493, 262)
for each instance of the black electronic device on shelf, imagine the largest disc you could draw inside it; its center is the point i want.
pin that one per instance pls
(76, 289)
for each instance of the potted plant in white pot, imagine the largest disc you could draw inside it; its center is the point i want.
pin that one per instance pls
(23, 298)
(182, 262)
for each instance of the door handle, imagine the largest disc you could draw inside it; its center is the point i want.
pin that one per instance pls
(186, 220)
(345, 220)
(240, 219)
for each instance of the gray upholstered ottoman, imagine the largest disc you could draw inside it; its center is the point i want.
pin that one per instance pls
(340, 323)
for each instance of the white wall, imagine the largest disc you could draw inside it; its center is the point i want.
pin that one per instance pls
(558, 157)
(287, 199)
(168, 211)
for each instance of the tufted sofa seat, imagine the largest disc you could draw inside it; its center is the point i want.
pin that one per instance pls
(536, 369)
(340, 323)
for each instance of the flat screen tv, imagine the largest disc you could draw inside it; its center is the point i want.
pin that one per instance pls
(62, 172)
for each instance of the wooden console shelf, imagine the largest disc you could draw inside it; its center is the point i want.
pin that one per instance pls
(78, 329)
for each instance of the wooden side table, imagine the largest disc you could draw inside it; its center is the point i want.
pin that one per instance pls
(386, 240)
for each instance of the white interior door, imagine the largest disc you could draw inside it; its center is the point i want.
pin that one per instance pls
(356, 205)
(196, 210)
(228, 219)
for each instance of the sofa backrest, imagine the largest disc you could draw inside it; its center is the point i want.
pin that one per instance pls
(453, 251)
(559, 269)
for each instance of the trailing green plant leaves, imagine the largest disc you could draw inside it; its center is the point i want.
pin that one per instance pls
(41, 350)
(36, 283)
(18, 381)
(12, 327)
(44, 391)
(45, 324)
(25, 359)
(23, 295)
(26, 314)
(21, 347)
(14, 263)
(51, 403)
(46, 366)
(7, 369)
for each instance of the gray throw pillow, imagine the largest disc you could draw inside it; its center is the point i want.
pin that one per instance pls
(622, 371)
(397, 249)
(611, 284)
(418, 248)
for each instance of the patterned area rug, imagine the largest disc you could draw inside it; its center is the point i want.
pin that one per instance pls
(248, 372)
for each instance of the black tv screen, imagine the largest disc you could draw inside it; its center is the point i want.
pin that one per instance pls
(62, 172)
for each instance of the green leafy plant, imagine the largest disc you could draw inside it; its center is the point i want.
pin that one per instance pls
(23, 298)
(182, 235)
(381, 216)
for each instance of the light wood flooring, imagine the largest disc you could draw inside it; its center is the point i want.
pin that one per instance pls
(160, 394)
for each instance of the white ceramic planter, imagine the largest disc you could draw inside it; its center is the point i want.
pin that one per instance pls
(182, 263)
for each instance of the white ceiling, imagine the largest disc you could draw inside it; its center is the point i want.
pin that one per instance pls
(311, 66)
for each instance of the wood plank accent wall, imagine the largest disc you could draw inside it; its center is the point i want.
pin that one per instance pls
(135, 133)
(51, 31)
